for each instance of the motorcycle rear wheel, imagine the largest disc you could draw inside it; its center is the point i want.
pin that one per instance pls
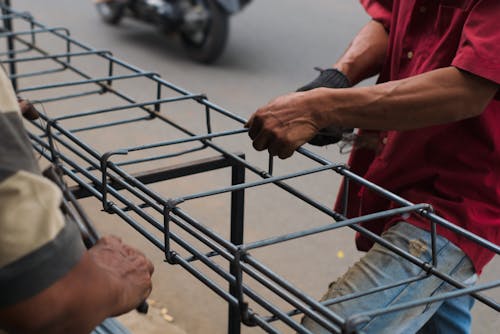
(214, 37)
(111, 12)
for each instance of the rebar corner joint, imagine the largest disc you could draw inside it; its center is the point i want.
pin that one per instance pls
(171, 257)
(106, 205)
(246, 314)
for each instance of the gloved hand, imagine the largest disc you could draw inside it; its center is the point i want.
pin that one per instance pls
(329, 78)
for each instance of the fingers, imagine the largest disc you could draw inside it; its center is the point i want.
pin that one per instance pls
(268, 132)
(254, 126)
(261, 128)
(142, 260)
(129, 252)
(280, 150)
(28, 110)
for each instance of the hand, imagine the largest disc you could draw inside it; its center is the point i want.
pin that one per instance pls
(285, 123)
(127, 269)
(27, 109)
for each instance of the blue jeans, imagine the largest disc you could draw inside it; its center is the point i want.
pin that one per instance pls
(382, 267)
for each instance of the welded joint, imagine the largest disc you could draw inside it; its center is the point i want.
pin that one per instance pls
(428, 208)
(200, 97)
(428, 267)
(340, 168)
(151, 75)
(104, 162)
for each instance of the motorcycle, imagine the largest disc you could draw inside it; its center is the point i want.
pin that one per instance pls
(203, 25)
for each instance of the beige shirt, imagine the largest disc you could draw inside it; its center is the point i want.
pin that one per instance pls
(37, 246)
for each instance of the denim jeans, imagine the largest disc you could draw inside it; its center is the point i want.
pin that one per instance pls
(381, 266)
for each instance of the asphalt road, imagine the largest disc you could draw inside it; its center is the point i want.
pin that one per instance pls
(273, 48)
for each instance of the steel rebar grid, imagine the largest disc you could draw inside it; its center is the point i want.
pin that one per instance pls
(100, 186)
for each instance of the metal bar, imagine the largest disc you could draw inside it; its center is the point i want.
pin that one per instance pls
(273, 179)
(32, 31)
(54, 56)
(68, 96)
(128, 106)
(236, 237)
(85, 82)
(34, 74)
(109, 124)
(14, 52)
(329, 227)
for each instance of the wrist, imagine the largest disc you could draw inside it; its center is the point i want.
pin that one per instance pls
(323, 107)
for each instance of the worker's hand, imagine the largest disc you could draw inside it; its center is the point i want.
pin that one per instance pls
(128, 270)
(286, 123)
(27, 109)
(329, 78)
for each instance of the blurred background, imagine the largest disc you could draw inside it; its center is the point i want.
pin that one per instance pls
(272, 48)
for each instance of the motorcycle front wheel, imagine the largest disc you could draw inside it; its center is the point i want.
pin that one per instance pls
(208, 43)
(111, 12)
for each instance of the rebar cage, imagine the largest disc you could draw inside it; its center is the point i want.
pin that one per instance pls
(109, 97)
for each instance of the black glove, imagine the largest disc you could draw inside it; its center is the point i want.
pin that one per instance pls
(329, 78)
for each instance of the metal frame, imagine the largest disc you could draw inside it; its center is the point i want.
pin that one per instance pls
(128, 196)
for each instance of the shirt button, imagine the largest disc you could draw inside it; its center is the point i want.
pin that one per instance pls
(384, 140)
(409, 54)
(422, 9)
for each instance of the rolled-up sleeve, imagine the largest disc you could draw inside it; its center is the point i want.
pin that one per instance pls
(37, 245)
(379, 10)
(480, 41)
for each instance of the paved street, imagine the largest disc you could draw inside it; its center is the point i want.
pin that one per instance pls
(273, 47)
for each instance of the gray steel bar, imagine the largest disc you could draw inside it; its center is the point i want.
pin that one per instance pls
(37, 73)
(128, 106)
(54, 56)
(85, 82)
(329, 227)
(273, 179)
(68, 96)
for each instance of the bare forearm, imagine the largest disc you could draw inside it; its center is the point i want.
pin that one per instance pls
(365, 55)
(436, 97)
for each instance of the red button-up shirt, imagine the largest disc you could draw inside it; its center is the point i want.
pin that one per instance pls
(454, 167)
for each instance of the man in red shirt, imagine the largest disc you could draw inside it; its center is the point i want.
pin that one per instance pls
(435, 112)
